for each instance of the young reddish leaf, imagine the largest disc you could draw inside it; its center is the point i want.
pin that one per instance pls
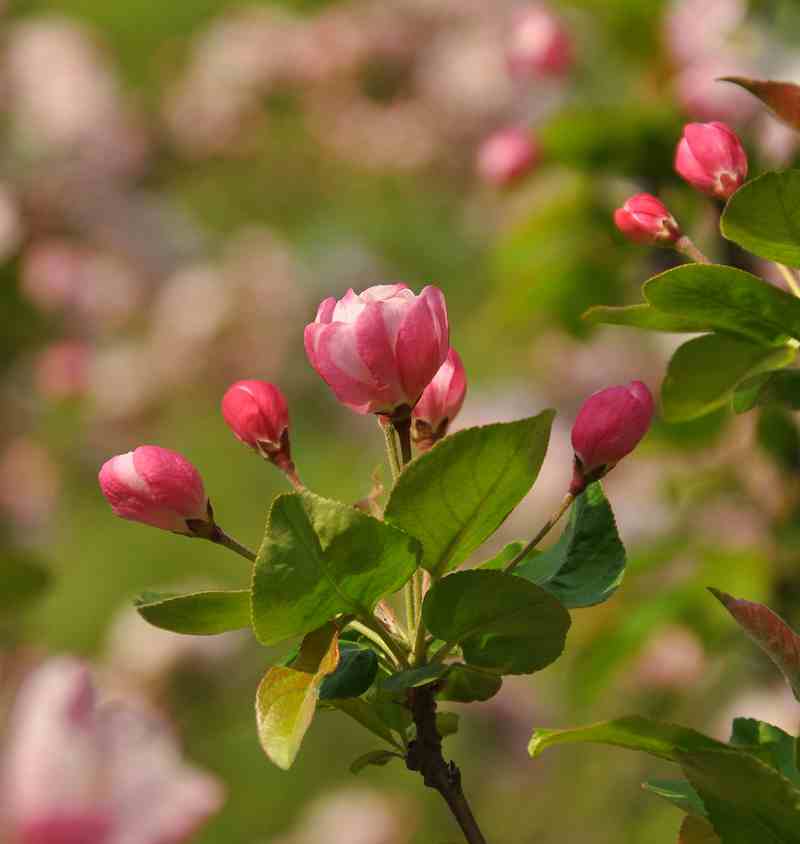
(287, 696)
(781, 98)
(770, 632)
(697, 831)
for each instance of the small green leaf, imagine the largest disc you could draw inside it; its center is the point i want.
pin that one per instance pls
(763, 216)
(447, 723)
(354, 674)
(646, 317)
(414, 677)
(770, 632)
(198, 613)
(703, 373)
(779, 387)
(373, 757)
(366, 714)
(678, 792)
(769, 743)
(502, 622)
(456, 495)
(727, 300)
(502, 558)
(24, 580)
(287, 697)
(587, 564)
(657, 738)
(320, 558)
(465, 684)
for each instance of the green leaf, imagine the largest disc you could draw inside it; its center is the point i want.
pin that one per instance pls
(587, 564)
(354, 674)
(287, 696)
(457, 494)
(501, 621)
(414, 677)
(465, 684)
(763, 216)
(781, 98)
(703, 373)
(373, 757)
(780, 387)
(366, 714)
(769, 743)
(678, 792)
(726, 299)
(24, 580)
(747, 801)
(644, 316)
(320, 558)
(198, 613)
(657, 738)
(502, 558)
(447, 723)
(770, 632)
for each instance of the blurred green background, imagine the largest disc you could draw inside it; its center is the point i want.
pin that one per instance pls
(180, 185)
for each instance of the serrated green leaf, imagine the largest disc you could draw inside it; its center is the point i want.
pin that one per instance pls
(414, 677)
(465, 684)
(354, 674)
(287, 696)
(456, 495)
(645, 317)
(501, 621)
(373, 757)
(320, 558)
(678, 792)
(197, 613)
(587, 564)
(704, 373)
(727, 300)
(779, 387)
(763, 216)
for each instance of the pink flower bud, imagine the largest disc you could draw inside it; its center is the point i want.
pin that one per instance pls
(711, 158)
(609, 425)
(257, 414)
(539, 45)
(157, 487)
(506, 156)
(379, 349)
(645, 219)
(440, 403)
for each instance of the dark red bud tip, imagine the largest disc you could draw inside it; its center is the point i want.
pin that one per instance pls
(610, 425)
(645, 219)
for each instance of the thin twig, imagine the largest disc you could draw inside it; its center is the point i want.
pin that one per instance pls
(222, 538)
(686, 247)
(546, 528)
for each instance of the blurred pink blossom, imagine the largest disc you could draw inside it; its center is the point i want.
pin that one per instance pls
(62, 369)
(703, 98)
(78, 773)
(673, 659)
(697, 29)
(540, 44)
(29, 483)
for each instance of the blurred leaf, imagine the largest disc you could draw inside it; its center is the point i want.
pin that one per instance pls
(23, 580)
(365, 714)
(320, 558)
(657, 738)
(769, 743)
(770, 632)
(746, 800)
(726, 300)
(414, 677)
(777, 434)
(447, 723)
(354, 674)
(696, 830)
(644, 316)
(763, 216)
(678, 792)
(587, 564)
(781, 98)
(780, 387)
(197, 613)
(465, 684)
(374, 757)
(704, 372)
(502, 622)
(456, 495)
(287, 697)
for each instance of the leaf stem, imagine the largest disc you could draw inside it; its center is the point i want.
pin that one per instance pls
(391, 447)
(379, 630)
(546, 528)
(686, 247)
(221, 538)
(791, 279)
(374, 637)
(425, 756)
